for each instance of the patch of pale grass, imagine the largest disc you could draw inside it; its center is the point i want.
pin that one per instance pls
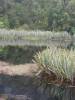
(61, 62)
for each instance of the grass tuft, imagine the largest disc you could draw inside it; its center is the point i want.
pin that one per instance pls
(60, 62)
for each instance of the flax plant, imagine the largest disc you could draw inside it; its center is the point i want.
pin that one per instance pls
(61, 62)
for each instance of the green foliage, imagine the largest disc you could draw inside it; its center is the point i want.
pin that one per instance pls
(38, 14)
(58, 61)
(4, 22)
(18, 54)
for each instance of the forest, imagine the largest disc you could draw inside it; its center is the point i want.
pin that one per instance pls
(53, 15)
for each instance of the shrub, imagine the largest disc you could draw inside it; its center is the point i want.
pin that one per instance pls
(59, 62)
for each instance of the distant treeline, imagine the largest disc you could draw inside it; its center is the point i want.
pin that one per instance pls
(53, 15)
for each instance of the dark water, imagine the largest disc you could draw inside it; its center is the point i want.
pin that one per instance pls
(20, 87)
(23, 88)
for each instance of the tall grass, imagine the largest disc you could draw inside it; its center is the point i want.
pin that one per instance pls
(38, 38)
(60, 62)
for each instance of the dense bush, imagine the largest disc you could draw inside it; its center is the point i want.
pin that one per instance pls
(58, 65)
(18, 54)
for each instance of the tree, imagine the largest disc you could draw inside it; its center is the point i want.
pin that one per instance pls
(57, 15)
